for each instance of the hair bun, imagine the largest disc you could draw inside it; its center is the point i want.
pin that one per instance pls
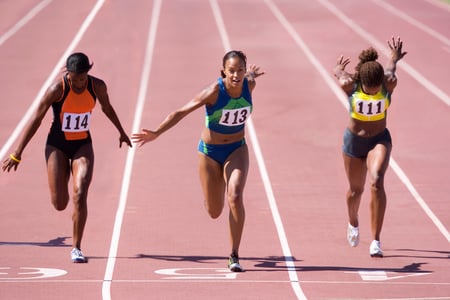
(368, 55)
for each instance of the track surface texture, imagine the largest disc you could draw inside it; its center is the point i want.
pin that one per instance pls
(148, 235)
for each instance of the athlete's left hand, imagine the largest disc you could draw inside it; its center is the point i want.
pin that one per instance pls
(254, 71)
(143, 137)
(396, 49)
(125, 139)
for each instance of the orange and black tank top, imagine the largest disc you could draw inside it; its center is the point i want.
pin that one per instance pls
(72, 113)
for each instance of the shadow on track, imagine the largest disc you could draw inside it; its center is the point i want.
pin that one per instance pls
(56, 242)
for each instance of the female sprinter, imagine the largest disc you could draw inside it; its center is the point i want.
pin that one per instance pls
(69, 146)
(367, 141)
(223, 153)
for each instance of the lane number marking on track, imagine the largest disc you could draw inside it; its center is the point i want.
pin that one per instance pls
(26, 273)
(197, 273)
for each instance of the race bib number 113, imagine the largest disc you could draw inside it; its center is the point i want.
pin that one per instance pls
(233, 117)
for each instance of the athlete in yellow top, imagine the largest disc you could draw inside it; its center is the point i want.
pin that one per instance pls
(367, 141)
(69, 146)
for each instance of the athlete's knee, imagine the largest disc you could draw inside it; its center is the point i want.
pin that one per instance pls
(355, 191)
(59, 202)
(214, 214)
(377, 182)
(214, 208)
(235, 198)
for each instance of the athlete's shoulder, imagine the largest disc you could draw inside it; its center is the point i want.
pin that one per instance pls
(212, 89)
(98, 85)
(97, 81)
(56, 90)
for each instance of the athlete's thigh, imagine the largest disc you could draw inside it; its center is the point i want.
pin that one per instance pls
(211, 179)
(58, 173)
(83, 167)
(236, 168)
(356, 170)
(378, 159)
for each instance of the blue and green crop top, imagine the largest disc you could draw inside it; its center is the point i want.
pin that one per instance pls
(228, 115)
(366, 107)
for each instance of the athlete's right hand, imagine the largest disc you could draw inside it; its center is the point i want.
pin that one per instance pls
(143, 137)
(9, 163)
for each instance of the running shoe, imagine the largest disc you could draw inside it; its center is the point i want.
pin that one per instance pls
(233, 264)
(352, 235)
(375, 249)
(77, 256)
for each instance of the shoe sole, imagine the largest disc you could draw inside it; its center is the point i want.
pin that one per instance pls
(353, 244)
(79, 261)
(235, 268)
(376, 255)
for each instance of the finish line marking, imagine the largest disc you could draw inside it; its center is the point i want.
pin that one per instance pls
(379, 275)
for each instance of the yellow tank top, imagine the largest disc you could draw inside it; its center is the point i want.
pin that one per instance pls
(366, 107)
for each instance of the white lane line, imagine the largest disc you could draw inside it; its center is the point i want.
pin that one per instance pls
(427, 84)
(395, 11)
(106, 287)
(25, 119)
(440, 4)
(342, 98)
(239, 281)
(419, 199)
(264, 174)
(22, 22)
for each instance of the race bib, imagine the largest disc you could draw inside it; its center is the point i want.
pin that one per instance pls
(234, 117)
(73, 122)
(370, 107)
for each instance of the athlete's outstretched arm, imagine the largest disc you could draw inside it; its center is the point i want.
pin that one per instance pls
(396, 55)
(108, 110)
(345, 79)
(52, 94)
(205, 97)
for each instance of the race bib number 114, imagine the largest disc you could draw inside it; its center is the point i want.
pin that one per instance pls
(73, 122)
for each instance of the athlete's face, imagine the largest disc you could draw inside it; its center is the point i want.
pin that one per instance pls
(371, 90)
(78, 80)
(234, 71)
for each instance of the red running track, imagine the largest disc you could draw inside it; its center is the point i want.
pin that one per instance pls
(148, 236)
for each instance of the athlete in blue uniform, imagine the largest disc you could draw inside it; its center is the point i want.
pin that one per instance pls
(223, 153)
(367, 142)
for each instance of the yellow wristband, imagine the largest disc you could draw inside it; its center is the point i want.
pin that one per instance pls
(14, 158)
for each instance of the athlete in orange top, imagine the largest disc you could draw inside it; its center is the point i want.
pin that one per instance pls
(367, 142)
(69, 146)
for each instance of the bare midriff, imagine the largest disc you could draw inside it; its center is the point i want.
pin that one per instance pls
(211, 137)
(367, 128)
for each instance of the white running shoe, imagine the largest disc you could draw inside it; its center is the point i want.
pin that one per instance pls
(234, 265)
(352, 235)
(375, 249)
(77, 256)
